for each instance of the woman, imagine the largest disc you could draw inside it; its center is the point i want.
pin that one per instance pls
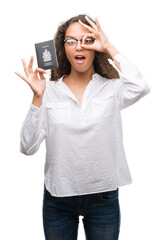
(78, 115)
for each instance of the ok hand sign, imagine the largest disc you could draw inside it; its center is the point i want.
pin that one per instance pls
(101, 43)
(37, 84)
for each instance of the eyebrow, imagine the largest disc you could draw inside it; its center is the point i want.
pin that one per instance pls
(72, 37)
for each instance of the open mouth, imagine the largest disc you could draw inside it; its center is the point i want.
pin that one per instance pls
(80, 58)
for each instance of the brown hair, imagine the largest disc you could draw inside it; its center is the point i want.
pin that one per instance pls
(101, 64)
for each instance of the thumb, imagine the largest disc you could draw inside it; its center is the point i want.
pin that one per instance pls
(42, 76)
(89, 47)
(39, 70)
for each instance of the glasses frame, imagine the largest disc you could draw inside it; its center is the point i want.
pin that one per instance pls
(65, 40)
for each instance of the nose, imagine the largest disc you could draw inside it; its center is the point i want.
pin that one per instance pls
(78, 46)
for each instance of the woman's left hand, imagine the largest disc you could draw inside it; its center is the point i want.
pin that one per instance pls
(101, 43)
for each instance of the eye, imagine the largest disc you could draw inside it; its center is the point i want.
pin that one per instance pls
(89, 40)
(71, 41)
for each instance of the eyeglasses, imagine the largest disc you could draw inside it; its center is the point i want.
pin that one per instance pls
(72, 42)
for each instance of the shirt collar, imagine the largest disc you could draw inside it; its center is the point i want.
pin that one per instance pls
(94, 77)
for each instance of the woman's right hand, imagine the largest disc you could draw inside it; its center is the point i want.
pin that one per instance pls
(37, 84)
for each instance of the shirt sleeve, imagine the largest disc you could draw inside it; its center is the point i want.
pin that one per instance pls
(131, 86)
(33, 130)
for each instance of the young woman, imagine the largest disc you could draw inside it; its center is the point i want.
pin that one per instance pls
(78, 115)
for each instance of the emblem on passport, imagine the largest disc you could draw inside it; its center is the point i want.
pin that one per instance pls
(46, 55)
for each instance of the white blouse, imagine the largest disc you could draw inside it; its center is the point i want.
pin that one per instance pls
(84, 142)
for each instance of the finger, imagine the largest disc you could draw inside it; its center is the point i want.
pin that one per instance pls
(21, 76)
(91, 23)
(42, 76)
(88, 47)
(25, 67)
(30, 66)
(39, 70)
(86, 26)
(97, 23)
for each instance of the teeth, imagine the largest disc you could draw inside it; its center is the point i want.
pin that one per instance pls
(80, 57)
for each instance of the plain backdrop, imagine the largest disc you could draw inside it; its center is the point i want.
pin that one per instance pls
(136, 28)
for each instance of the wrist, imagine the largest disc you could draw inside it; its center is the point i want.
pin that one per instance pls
(37, 100)
(111, 50)
(108, 47)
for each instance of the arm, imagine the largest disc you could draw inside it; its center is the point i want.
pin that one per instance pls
(131, 86)
(33, 130)
(112, 51)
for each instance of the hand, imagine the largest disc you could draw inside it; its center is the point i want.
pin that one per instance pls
(101, 43)
(37, 85)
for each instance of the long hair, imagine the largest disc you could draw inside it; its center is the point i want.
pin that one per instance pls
(101, 63)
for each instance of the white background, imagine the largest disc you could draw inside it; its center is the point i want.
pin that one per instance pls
(136, 28)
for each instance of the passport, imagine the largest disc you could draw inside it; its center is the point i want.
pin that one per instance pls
(46, 55)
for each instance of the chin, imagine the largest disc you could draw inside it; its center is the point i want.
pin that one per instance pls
(82, 69)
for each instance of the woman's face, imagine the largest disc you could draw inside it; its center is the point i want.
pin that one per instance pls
(75, 30)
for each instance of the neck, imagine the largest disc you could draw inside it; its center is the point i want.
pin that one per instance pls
(80, 78)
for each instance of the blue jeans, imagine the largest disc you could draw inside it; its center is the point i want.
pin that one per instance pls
(100, 211)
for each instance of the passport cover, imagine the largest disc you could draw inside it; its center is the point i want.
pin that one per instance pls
(46, 55)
